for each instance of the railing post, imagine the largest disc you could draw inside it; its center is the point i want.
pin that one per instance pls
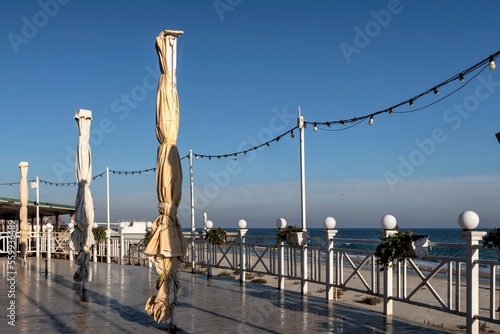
(71, 227)
(469, 220)
(330, 233)
(303, 270)
(281, 265)
(108, 246)
(122, 242)
(208, 225)
(388, 223)
(49, 232)
(94, 251)
(281, 223)
(242, 224)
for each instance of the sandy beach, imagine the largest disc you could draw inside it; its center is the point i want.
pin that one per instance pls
(428, 316)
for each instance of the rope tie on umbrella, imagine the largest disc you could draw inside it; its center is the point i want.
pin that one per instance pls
(170, 141)
(167, 209)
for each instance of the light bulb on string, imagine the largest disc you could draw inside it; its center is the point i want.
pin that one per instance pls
(235, 157)
(315, 128)
(492, 64)
(436, 92)
(391, 112)
(461, 77)
(411, 103)
(147, 173)
(291, 134)
(370, 121)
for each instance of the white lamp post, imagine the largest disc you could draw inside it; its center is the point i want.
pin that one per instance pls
(468, 221)
(281, 223)
(329, 223)
(208, 225)
(388, 223)
(242, 225)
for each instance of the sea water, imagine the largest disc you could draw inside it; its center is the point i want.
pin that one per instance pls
(437, 235)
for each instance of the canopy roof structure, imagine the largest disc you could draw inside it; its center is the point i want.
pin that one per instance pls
(9, 209)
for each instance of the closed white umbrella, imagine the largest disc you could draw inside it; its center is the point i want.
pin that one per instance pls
(23, 211)
(167, 246)
(82, 237)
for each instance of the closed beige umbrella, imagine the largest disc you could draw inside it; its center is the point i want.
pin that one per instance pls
(167, 246)
(23, 211)
(82, 237)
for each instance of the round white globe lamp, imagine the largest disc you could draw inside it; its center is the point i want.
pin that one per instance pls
(71, 226)
(468, 220)
(242, 223)
(48, 226)
(209, 224)
(122, 225)
(329, 223)
(149, 225)
(388, 222)
(281, 223)
(95, 225)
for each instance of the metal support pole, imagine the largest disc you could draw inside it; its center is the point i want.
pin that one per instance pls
(304, 274)
(108, 233)
(37, 185)
(193, 227)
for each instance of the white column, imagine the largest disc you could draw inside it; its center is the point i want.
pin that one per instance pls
(388, 280)
(472, 239)
(330, 288)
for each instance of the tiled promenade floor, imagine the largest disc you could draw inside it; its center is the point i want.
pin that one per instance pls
(114, 303)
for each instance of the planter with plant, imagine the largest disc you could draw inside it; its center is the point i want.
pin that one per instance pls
(399, 246)
(293, 235)
(492, 240)
(216, 236)
(99, 234)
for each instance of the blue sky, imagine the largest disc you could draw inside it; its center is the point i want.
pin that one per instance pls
(244, 68)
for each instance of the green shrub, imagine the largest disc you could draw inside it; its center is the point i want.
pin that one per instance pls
(99, 233)
(216, 236)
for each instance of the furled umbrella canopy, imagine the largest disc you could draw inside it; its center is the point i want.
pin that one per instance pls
(23, 211)
(167, 246)
(82, 237)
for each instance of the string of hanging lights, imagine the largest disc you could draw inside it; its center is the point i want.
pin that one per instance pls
(488, 62)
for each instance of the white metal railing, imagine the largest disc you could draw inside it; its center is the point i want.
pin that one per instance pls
(447, 281)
